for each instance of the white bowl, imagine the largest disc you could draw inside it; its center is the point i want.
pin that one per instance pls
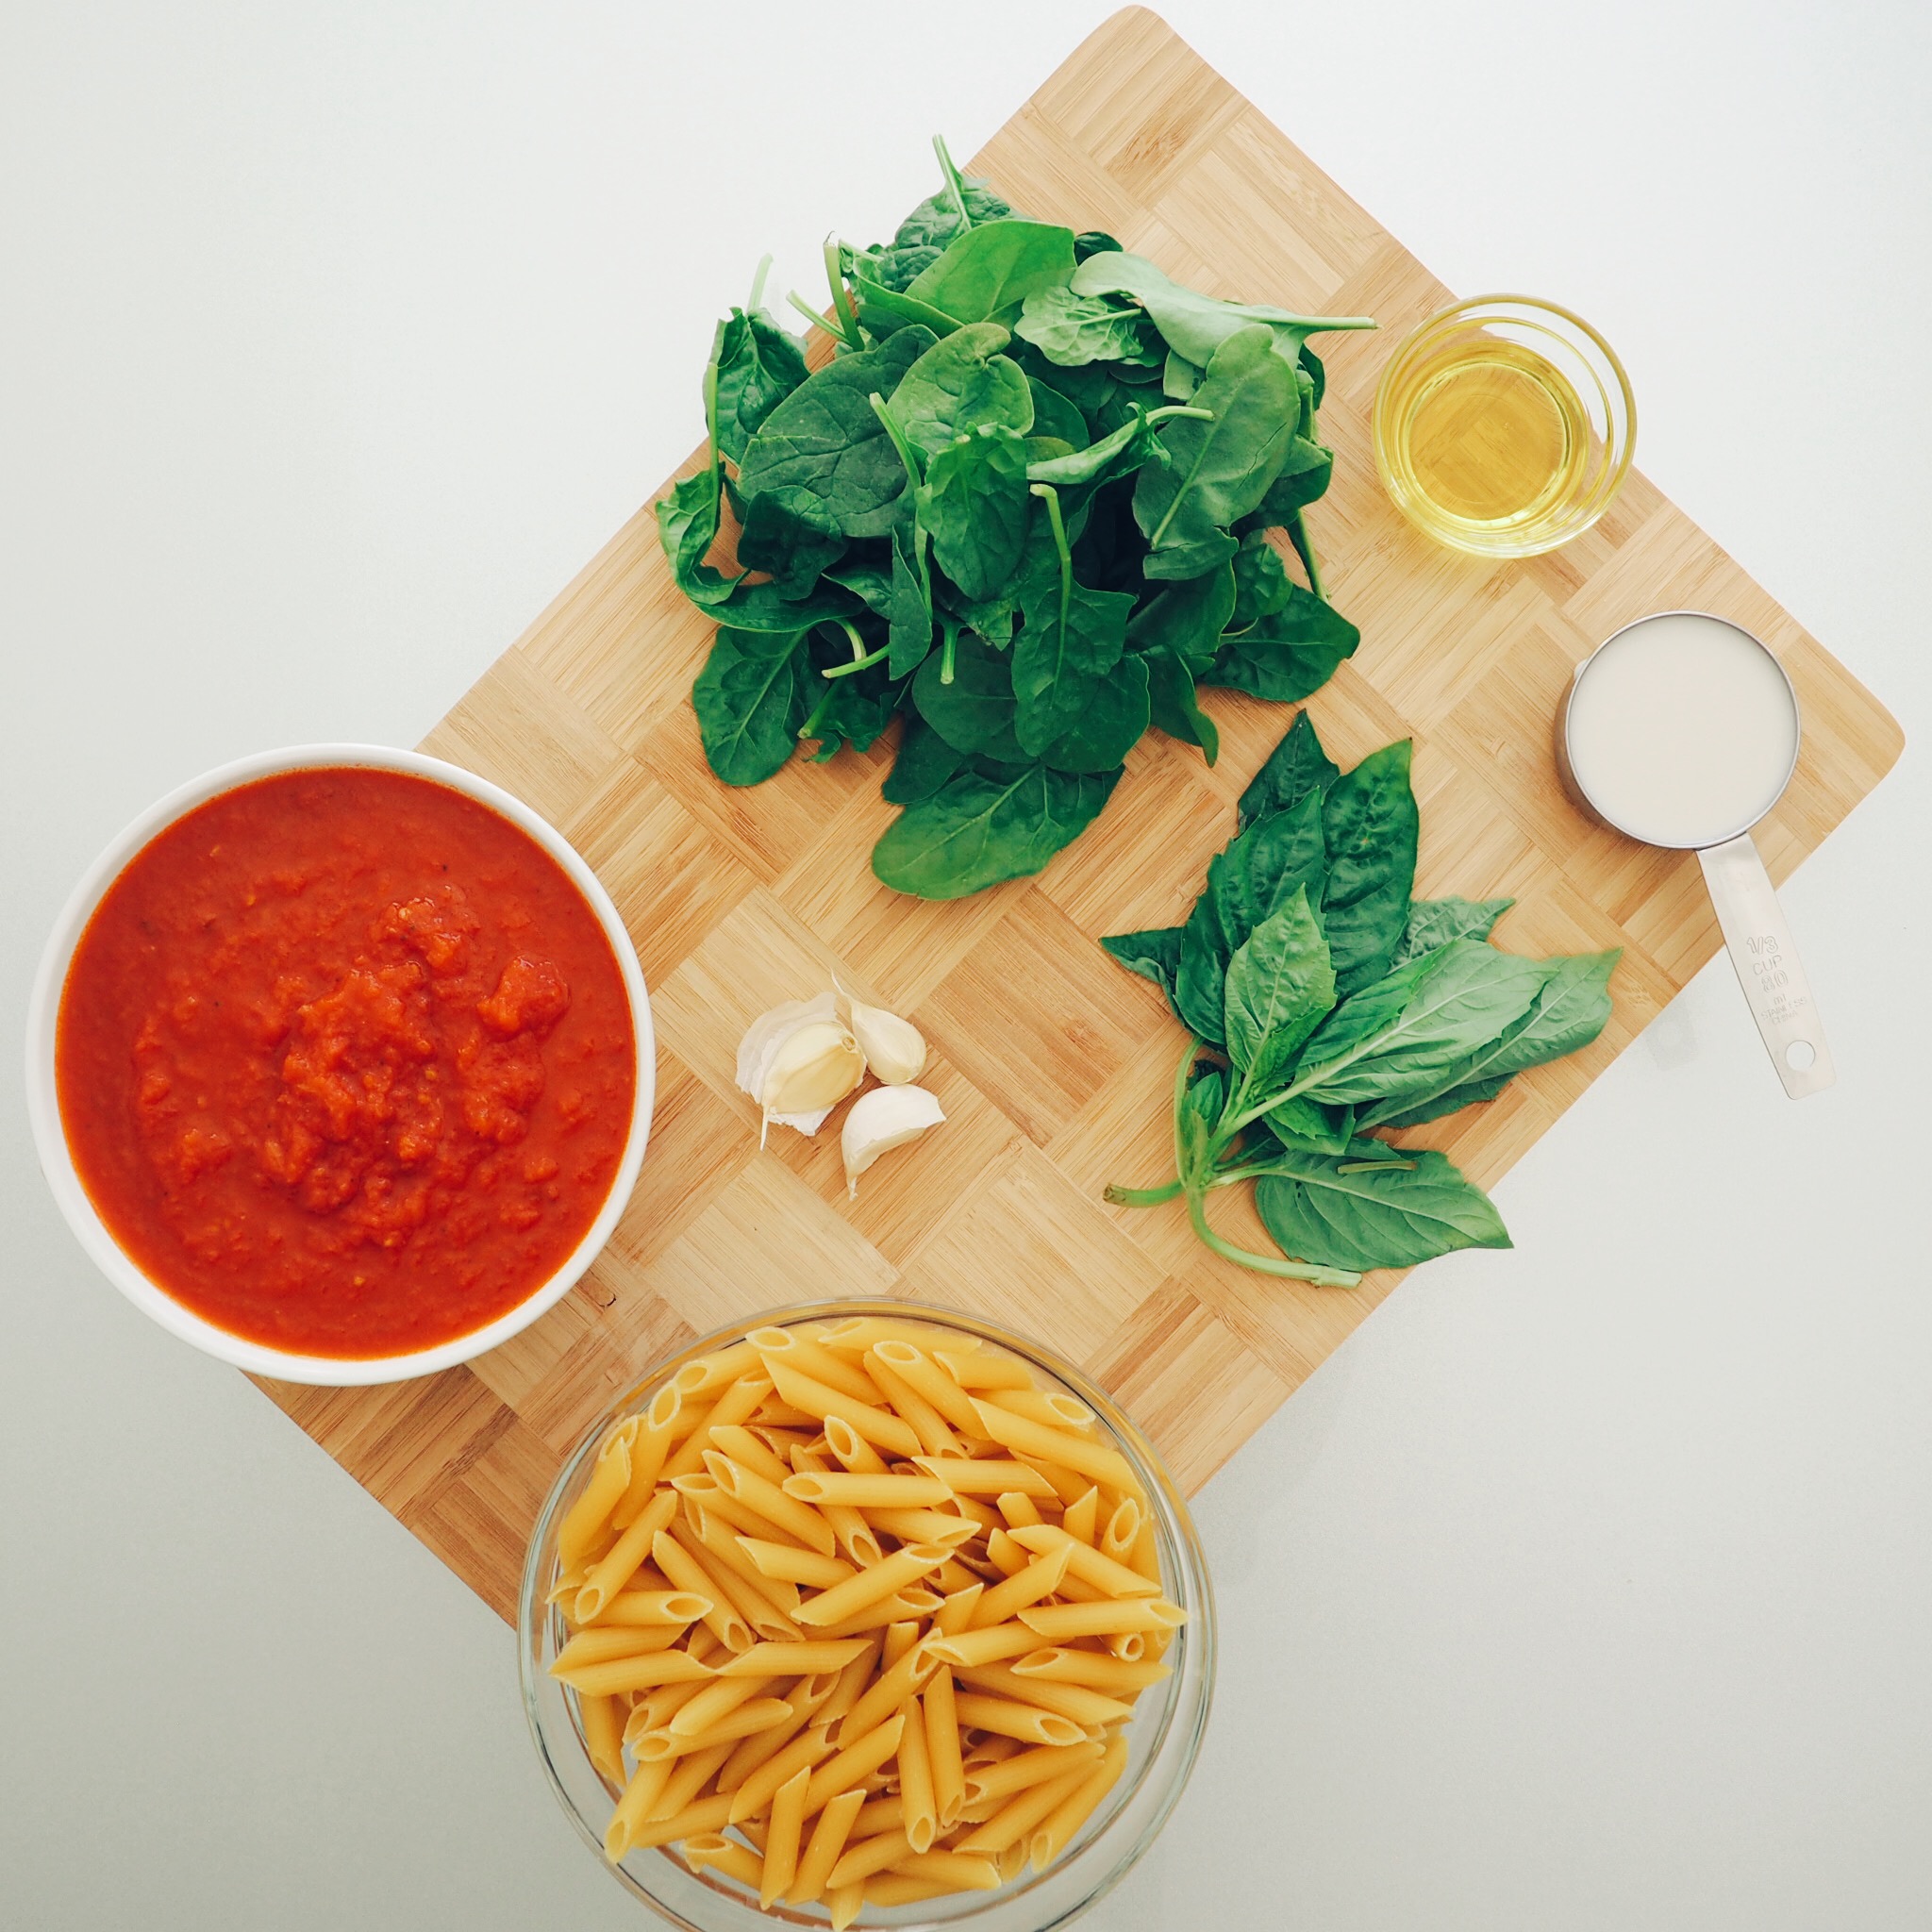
(56, 1163)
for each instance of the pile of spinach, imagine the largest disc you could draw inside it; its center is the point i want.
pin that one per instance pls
(1335, 1005)
(1026, 506)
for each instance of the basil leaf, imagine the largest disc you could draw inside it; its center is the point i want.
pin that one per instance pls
(1266, 865)
(974, 506)
(958, 385)
(1194, 1119)
(823, 454)
(1219, 469)
(1571, 1010)
(923, 763)
(992, 268)
(978, 830)
(1280, 988)
(1398, 1039)
(1391, 1217)
(751, 698)
(1369, 819)
(974, 712)
(758, 366)
(1304, 1122)
(1434, 922)
(1296, 767)
(1072, 330)
(1155, 955)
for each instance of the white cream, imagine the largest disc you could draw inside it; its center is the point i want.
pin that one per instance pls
(1682, 730)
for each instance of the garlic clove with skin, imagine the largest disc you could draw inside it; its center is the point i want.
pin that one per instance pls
(798, 1062)
(886, 1118)
(894, 1049)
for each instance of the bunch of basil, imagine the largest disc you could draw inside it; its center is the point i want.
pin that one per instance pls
(1025, 506)
(1337, 1004)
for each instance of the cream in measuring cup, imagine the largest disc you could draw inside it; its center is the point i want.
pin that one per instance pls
(1681, 730)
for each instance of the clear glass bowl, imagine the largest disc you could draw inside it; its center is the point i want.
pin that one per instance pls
(1164, 1736)
(1503, 427)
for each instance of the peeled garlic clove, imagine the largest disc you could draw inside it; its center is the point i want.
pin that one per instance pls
(798, 1062)
(886, 1118)
(893, 1048)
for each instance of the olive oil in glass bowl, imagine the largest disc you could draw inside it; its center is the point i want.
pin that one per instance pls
(1503, 427)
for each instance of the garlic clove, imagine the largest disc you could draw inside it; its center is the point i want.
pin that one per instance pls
(798, 1062)
(893, 1048)
(886, 1118)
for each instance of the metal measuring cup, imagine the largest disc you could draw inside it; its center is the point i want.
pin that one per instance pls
(1753, 922)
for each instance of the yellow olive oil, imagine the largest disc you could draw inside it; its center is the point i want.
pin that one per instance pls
(1488, 437)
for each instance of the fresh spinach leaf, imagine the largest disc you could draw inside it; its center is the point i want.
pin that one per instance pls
(1345, 1212)
(1070, 638)
(925, 761)
(924, 233)
(1114, 720)
(1186, 619)
(976, 829)
(772, 539)
(975, 507)
(1266, 865)
(1284, 641)
(989, 270)
(1172, 706)
(1073, 329)
(1055, 417)
(958, 385)
(1301, 1122)
(823, 454)
(974, 711)
(758, 366)
(687, 528)
(751, 698)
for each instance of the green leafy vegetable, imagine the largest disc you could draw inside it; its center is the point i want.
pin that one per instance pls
(1343, 1007)
(892, 565)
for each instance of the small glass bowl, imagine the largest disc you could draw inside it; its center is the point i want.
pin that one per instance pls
(1164, 1736)
(1574, 393)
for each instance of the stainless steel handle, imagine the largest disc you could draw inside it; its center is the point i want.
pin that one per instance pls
(1768, 965)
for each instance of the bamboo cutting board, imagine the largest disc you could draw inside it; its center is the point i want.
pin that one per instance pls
(1055, 1066)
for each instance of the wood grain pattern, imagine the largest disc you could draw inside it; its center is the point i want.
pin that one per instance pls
(1052, 1065)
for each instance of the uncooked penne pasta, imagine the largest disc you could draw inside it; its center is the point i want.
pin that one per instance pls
(857, 1614)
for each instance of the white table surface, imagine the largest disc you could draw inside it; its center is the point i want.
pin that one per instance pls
(1588, 1584)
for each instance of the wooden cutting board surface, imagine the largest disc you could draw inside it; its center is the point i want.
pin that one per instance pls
(1055, 1066)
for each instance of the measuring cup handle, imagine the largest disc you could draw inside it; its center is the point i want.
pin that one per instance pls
(1768, 965)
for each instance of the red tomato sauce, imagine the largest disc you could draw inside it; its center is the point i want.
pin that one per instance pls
(346, 1062)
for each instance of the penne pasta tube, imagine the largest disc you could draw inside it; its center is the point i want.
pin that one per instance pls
(827, 1843)
(1130, 1648)
(708, 1849)
(1095, 1668)
(998, 1782)
(928, 1424)
(984, 1369)
(585, 1518)
(703, 1488)
(656, 1615)
(965, 1476)
(1121, 1532)
(603, 1735)
(1015, 1821)
(882, 1431)
(863, 1858)
(1058, 1830)
(1146, 1555)
(865, 1490)
(698, 1815)
(1089, 1710)
(915, 1369)
(651, 1446)
(805, 1357)
(851, 1682)
(852, 1450)
(924, 1526)
(746, 1447)
(687, 1572)
(1086, 1562)
(950, 1871)
(1017, 1510)
(957, 1611)
(713, 1371)
(624, 1558)
(888, 1693)
(783, 1563)
(845, 1903)
(1040, 1578)
(900, 1637)
(633, 1807)
(716, 1701)
(621, 1673)
(802, 1659)
(854, 1762)
(808, 1749)
(1030, 1723)
(1010, 1863)
(881, 1580)
(940, 1719)
(789, 1516)
(751, 1587)
(1004, 1553)
(916, 1797)
(983, 1646)
(740, 1400)
(780, 1864)
(689, 1777)
(900, 1889)
(1081, 1519)
(1040, 1443)
(1059, 1623)
(601, 1645)
(951, 1578)
(1047, 1407)
(756, 1714)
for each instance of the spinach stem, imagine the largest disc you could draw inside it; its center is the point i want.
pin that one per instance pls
(949, 648)
(812, 316)
(891, 423)
(1172, 410)
(810, 727)
(842, 300)
(954, 186)
(1059, 543)
(1265, 1264)
(852, 637)
(1143, 1197)
(758, 287)
(864, 664)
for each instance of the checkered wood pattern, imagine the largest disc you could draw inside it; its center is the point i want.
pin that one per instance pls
(1055, 1066)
